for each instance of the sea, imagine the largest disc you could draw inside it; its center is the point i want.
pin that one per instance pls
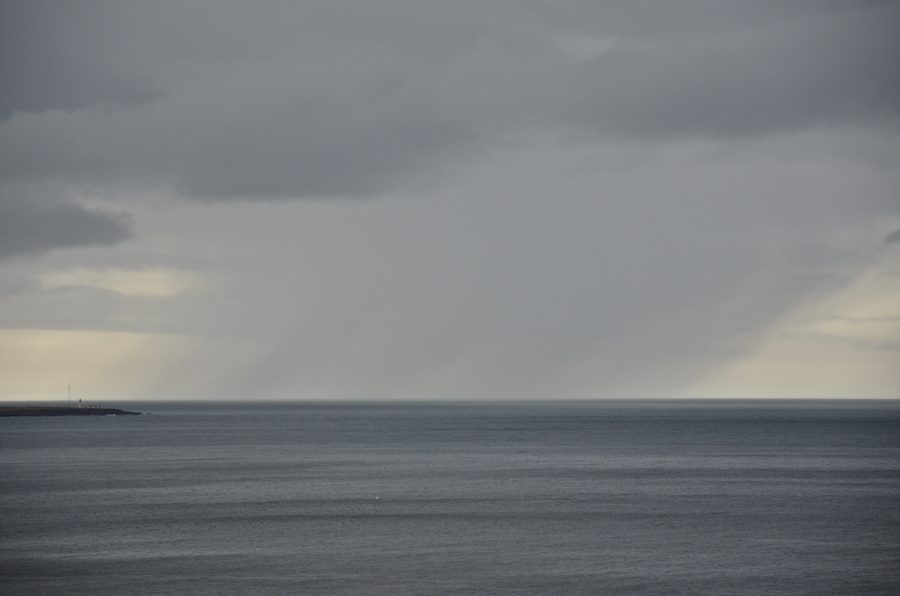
(554, 498)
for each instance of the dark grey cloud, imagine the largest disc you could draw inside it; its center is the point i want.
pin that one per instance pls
(42, 65)
(27, 229)
(822, 71)
(276, 99)
(893, 237)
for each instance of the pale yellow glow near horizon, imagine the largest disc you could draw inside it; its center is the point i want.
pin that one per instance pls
(843, 345)
(151, 282)
(846, 345)
(38, 364)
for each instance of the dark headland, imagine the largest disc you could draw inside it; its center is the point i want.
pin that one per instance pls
(61, 411)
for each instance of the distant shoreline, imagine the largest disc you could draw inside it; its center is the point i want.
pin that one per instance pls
(62, 411)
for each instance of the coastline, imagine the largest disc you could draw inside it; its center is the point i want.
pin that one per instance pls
(62, 411)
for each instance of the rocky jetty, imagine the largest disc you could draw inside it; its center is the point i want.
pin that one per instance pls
(62, 411)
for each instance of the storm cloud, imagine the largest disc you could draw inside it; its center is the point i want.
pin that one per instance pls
(26, 229)
(468, 199)
(222, 100)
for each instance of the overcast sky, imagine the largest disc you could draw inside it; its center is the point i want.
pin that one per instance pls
(466, 200)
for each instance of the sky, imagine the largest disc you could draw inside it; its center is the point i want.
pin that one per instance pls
(392, 200)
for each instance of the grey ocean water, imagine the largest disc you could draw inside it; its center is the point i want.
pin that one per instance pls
(603, 498)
